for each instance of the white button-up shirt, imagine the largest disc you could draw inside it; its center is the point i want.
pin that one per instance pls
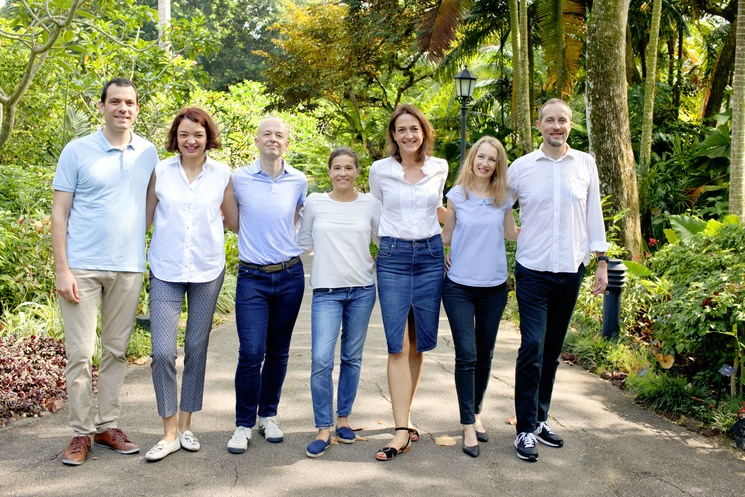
(409, 211)
(188, 242)
(560, 213)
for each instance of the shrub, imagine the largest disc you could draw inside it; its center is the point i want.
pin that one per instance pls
(32, 372)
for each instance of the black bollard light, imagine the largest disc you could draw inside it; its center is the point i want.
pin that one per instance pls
(612, 299)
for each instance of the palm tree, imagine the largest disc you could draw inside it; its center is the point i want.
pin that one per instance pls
(561, 24)
(737, 157)
(654, 36)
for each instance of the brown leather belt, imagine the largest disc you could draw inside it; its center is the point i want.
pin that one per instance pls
(272, 268)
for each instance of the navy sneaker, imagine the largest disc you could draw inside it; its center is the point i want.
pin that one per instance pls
(525, 445)
(546, 435)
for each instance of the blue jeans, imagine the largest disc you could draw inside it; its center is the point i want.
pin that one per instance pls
(546, 302)
(349, 308)
(266, 307)
(474, 314)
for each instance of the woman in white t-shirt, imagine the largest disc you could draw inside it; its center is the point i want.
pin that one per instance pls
(338, 226)
(187, 197)
(474, 294)
(410, 264)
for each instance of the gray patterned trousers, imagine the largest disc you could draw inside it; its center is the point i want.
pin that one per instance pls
(166, 301)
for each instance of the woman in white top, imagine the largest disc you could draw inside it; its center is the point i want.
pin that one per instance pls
(186, 199)
(475, 291)
(338, 226)
(410, 265)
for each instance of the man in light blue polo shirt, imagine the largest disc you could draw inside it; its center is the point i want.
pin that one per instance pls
(98, 239)
(271, 282)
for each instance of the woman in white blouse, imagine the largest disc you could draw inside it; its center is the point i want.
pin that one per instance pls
(186, 199)
(338, 226)
(410, 265)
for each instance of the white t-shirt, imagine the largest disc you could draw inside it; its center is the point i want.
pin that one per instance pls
(339, 233)
(409, 211)
(188, 242)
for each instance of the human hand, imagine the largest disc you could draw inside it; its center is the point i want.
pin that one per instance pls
(67, 286)
(447, 261)
(601, 278)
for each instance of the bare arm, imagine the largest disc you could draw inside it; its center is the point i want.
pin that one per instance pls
(67, 287)
(447, 231)
(230, 208)
(511, 230)
(152, 202)
(442, 214)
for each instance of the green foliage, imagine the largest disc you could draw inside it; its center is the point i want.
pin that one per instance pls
(663, 392)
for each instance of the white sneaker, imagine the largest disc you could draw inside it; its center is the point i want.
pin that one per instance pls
(188, 440)
(238, 443)
(270, 429)
(162, 449)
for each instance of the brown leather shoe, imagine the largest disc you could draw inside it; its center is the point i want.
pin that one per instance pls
(115, 439)
(77, 452)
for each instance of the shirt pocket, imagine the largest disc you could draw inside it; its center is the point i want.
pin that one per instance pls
(578, 188)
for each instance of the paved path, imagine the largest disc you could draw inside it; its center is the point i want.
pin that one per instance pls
(612, 446)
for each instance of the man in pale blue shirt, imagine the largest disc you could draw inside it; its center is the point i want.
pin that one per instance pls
(562, 223)
(98, 239)
(271, 282)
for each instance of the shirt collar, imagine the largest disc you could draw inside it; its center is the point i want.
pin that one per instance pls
(209, 162)
(134, 143)
(478, 200)
(568, 154)
(255, 168)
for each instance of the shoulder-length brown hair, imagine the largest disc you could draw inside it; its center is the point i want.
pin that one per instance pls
(428, 143)
(199, 116)
(498, 186)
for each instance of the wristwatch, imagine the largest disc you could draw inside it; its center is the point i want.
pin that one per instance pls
(602, 258)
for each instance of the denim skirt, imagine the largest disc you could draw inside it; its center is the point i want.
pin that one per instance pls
(410, 275)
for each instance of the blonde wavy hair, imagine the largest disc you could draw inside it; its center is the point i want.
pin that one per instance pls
(498, 186)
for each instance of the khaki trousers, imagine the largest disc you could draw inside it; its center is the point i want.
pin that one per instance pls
(118, 294)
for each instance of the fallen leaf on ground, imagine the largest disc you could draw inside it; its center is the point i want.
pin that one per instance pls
(334, 441)
(512, 421)
(445, 440)
(381, 421)
(54, 404)
(357, 429)
(140, 361)
(361, 438)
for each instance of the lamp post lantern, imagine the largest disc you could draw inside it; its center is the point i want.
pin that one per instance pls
(465, 82)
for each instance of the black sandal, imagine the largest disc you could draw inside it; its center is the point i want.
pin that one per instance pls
(388, 453)
(414, 435)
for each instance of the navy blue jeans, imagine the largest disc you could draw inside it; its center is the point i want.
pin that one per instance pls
(266, 308)
(474, 314)
(546, 302)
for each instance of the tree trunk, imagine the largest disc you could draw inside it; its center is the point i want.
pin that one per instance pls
(164, 18)
(610, 139)
(520, 78)
(720, 77)
(632, 72)
(645, 149)
(737, 154)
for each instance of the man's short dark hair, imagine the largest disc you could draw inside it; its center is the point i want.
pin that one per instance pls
(118, 82)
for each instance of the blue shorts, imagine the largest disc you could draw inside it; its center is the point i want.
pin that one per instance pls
(410, 276)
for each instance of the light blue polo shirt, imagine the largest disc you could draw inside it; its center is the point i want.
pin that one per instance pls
(477, 253)
(106, 225)
(267, 213)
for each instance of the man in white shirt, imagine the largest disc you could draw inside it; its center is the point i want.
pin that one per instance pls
(562, 222)
(98, 239)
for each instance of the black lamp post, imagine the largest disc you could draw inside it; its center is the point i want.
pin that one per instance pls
(465, 82)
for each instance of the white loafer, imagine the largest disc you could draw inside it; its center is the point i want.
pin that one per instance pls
(188, 440)
(162, 449)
